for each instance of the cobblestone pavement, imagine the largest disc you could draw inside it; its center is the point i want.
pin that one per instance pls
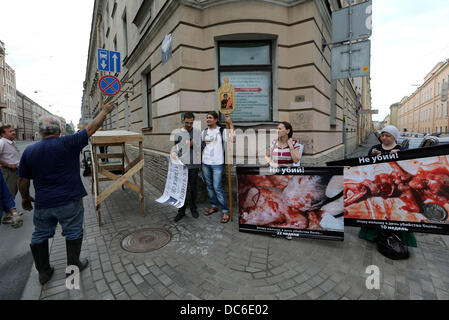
(209, 260)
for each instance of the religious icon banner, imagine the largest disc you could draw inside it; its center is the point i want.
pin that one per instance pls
(252, 95)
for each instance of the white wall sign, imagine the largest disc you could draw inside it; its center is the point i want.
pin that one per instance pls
(252, 95)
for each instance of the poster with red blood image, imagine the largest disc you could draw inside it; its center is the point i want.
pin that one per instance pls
(408, 192)
(291, 201)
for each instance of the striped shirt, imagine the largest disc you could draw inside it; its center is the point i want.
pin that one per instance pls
(282, 156)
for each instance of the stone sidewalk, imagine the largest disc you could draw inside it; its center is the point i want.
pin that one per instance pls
(209, 260)
(363, 149)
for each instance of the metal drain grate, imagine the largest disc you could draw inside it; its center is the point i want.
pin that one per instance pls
(145, 240)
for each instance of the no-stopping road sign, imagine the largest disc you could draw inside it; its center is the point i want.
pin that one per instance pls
(109, 85)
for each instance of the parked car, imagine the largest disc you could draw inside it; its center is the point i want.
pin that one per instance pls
(443, 138)
(415, 140)
(412, 134)
(423, 142)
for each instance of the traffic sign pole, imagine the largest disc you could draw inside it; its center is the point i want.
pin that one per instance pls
(350, 37)
(350, 25)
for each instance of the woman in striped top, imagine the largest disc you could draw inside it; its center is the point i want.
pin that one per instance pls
(284, 151)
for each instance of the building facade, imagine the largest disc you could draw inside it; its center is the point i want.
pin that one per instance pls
(9, 114)
(2, 80)
(8, 106)
(270, 51)
(394, 114)
(85, 113)
(25, 126)
(386, 121)
(427, 109)
(365, 121)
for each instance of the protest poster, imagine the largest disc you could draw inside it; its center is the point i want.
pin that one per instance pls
(291, 201)
(407, 191)
(176, 184)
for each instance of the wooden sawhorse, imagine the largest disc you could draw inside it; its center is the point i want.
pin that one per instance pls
(116, 172)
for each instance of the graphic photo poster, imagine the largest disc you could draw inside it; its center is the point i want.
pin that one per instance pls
(291, 201)
(407, 191)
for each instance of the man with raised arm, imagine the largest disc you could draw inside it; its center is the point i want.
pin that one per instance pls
(54, 166)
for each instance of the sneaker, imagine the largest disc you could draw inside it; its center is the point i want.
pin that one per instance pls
(195, 214)
(7, 219)
(17, 224)
(179, 216)
(16, 220)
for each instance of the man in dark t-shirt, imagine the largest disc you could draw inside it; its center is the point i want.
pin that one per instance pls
(188, 149)
(53, 165)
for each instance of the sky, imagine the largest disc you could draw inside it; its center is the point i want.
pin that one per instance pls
(409, 39)
(47, 43)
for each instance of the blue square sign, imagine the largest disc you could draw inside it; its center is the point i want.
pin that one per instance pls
(103, 60)
(109, 61)
(114, 61)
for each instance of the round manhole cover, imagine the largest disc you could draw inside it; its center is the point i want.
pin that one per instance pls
(145, 240)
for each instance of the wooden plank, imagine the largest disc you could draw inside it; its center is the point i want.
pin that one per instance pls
(132, 164)
(115, 133)
(118, 144)
(127, 161)
(92, 171)
(112, 177)
(115, 136)
(113, 140)
(119, 182)
(109, 155)
(95, 181)
(112, 167)
(229, 172)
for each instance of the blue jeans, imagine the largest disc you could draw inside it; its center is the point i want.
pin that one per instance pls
(70, 217)
(213, 175)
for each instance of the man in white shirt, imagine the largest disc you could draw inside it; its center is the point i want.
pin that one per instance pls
(213, 144)
(9, 161)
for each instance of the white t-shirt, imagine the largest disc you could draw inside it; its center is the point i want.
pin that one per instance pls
(9, 151)
(213, 152)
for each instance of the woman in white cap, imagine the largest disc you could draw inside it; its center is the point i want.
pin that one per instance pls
(388, 136)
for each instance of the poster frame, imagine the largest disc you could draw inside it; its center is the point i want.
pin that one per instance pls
(396, 225)
(285, 232)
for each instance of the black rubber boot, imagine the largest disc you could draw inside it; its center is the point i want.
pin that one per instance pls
(73, 248)
(42, 261)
